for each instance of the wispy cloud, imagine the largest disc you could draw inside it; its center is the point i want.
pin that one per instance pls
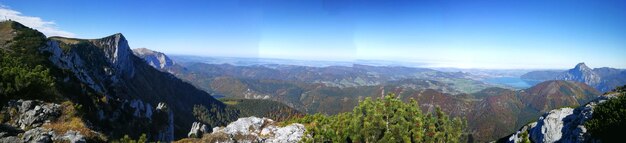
(49, 28)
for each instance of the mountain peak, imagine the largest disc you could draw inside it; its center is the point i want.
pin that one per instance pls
(581, 66)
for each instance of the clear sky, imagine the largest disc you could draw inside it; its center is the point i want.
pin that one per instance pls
(465, 34)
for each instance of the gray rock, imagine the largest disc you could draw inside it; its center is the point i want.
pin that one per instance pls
(197, 130)
(38, 135)
(10, 139)
(253, 129)
(155, 59)
(32, 113)
(73, 137)
(549, 126)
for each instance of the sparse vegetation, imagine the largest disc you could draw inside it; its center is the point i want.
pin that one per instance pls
(70, 119)
(127, 139)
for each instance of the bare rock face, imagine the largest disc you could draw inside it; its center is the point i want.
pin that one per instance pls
(118, 52)
(73, 137)
(26, 120)
(197, 130)
(561, 125)
(549, 126)
(155, 59)
(38, 135)
(32, 113)
(254, 129)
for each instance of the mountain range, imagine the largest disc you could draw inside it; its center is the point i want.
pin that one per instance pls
(103, 90)
(491, 111)
(603, 79)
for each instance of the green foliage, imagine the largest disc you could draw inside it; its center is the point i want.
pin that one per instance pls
(525, 138)
(215, 116)
(20, 80)
(609, 119)
(127, 139)
(263, 108)
(383, 120)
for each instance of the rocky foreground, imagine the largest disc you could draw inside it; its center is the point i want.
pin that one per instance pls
(560, 125)
(26, 123)
(250, 129)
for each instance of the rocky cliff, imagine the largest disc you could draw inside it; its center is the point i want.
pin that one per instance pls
(155, 59)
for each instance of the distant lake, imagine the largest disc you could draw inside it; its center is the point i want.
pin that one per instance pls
(514, 82)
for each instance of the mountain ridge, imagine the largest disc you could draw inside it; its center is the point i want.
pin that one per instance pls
(119, 93)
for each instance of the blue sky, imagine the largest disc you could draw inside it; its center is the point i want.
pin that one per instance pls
(465, 34)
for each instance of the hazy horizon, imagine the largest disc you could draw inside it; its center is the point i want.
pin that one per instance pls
(460, 34)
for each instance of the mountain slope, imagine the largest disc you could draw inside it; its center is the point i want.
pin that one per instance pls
(117, 91)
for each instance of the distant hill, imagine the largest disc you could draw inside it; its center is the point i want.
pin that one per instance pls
(603, 79)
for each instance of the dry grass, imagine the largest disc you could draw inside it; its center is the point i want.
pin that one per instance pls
(69, 120)
(207, 138)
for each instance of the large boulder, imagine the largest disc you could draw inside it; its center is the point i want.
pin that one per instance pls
(254, 129)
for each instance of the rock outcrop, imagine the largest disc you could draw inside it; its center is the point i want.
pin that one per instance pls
(155, 59)
(197, 130)
(25, 123)
(561, 125)
(31, 113)
(254, 129)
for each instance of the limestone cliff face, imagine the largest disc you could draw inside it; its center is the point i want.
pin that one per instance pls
(155, 59)
(117, 52)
